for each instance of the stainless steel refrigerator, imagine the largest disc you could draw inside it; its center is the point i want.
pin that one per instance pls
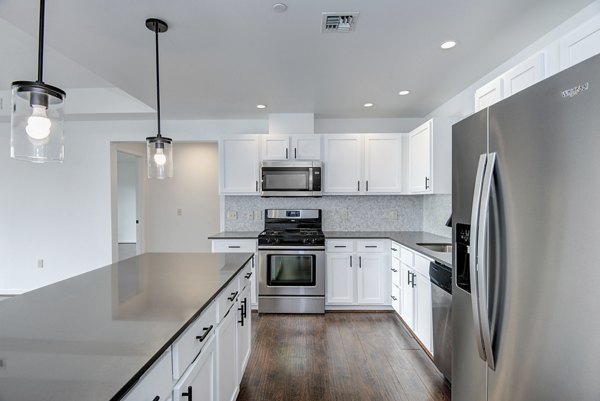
(526, 231)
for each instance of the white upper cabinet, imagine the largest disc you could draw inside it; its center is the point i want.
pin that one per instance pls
(342, 163)
(297, 147)
(580, 44)
(489, 94)
(383, 163)
(430, 157)
(524, 75)
(239, 165)
(363, 163)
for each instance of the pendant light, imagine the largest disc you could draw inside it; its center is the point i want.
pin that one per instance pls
(159, 149)
(37, 114)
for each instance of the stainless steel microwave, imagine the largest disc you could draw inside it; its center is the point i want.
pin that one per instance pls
(281, 179)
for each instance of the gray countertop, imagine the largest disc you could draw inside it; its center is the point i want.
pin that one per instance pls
(409, 239)
(90, 337)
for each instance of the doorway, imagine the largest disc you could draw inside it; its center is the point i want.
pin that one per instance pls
(129, 238)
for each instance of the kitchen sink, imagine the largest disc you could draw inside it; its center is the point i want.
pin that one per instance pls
(439, 247)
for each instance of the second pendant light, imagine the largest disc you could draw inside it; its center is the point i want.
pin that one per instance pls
(159, 149)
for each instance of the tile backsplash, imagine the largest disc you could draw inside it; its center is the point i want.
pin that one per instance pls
(436, 210)
(343, 213)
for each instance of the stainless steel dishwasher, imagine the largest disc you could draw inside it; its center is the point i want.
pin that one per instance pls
(441, 297)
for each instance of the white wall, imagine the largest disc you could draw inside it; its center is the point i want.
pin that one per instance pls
(194, 189)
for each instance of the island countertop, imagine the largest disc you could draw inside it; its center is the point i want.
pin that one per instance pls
(92, 336)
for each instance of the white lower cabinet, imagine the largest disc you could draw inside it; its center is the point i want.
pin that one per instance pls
(227, 362)
(356, 272)
(416, 306)
(200, 380)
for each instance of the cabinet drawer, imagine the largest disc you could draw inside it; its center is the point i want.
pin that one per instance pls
(370, 246)
(407, 256)
(188, 345)
(227, 297)
(156, 382)
(395, 271)
(340, 245)
(245, 275)
(234, 245)
(422, 264)
(395, 250)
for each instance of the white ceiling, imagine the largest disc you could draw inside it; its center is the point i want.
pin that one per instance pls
(222, 57)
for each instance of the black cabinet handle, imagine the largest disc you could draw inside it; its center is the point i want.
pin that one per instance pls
(256, 186)
(248, 275)
(408, 282)
(245, 305)
(395, 271)
(414, 283)
(295, 156)
(241, 321)
(339, 246)
(350, 260)
(206, 331)
(367, 185)
(426, 182)
(394, 249)
(359, 185)
(234, 246)
(286, 153)
(188, 394)
(370, 246)
(233, 295)
(360, 262)
(394, 298)
(156, 398)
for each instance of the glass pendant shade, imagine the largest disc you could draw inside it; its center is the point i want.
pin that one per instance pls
(37, 122)
(159, 151)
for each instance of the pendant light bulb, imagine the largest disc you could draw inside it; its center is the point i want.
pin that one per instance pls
(38, 124)
(159, 157)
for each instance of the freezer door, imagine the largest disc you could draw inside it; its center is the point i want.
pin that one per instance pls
(544, 235)
(469, 141)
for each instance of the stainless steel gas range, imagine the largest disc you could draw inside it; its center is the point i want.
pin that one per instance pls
(291, 262)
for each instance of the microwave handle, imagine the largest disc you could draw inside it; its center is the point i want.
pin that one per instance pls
(310, 178)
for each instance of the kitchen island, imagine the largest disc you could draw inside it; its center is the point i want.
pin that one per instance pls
(93, 336)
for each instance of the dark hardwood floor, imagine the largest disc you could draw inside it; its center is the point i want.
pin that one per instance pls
(337, 356)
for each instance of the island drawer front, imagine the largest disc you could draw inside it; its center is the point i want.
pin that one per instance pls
(407, 256)
(395, 250)
(156, 381)
(376, 245)
(227, 298)
(396, 271)
(233, 245)
(188, 345)
(339, 245)
(422, 264)
(201, 377)
(245, 275)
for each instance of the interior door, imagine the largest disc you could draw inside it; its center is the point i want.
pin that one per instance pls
(543, 279)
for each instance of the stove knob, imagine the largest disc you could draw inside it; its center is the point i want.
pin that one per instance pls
(276, 240)
(313, 240)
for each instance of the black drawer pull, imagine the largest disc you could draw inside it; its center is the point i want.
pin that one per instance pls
(248, 275)
(394, 298)
(233, 295)
(394, 249)
(206, 331)
(156, 398)
(234, 246)
(370, 246)
(188, 394)
(395, 271)
(339, 246)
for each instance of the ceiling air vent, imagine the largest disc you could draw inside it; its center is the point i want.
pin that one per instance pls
(338, 22)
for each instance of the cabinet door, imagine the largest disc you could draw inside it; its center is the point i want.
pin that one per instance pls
(340, 278)
(239, 165)
(419, 159)
(489, 94)
(343, 163)
(407, 306)
(243, 331)
(383, 163)
(200, 380)
(580, 44)
(227, 366)
(306, 147)
(371, 278)
(275, 147)
(424, 311)
(524, 75)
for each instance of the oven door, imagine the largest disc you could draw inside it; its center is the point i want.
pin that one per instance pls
(299, 272)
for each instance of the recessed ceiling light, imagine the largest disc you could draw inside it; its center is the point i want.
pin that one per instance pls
(261, 106)
(279, 7)
(368, 105)
(404, 93)
(448, 44)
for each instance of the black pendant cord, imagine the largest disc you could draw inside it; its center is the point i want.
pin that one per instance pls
(41, 42)
(157, 80)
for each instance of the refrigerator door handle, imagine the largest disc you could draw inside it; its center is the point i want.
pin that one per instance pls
(482, 262)
(473, 246)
